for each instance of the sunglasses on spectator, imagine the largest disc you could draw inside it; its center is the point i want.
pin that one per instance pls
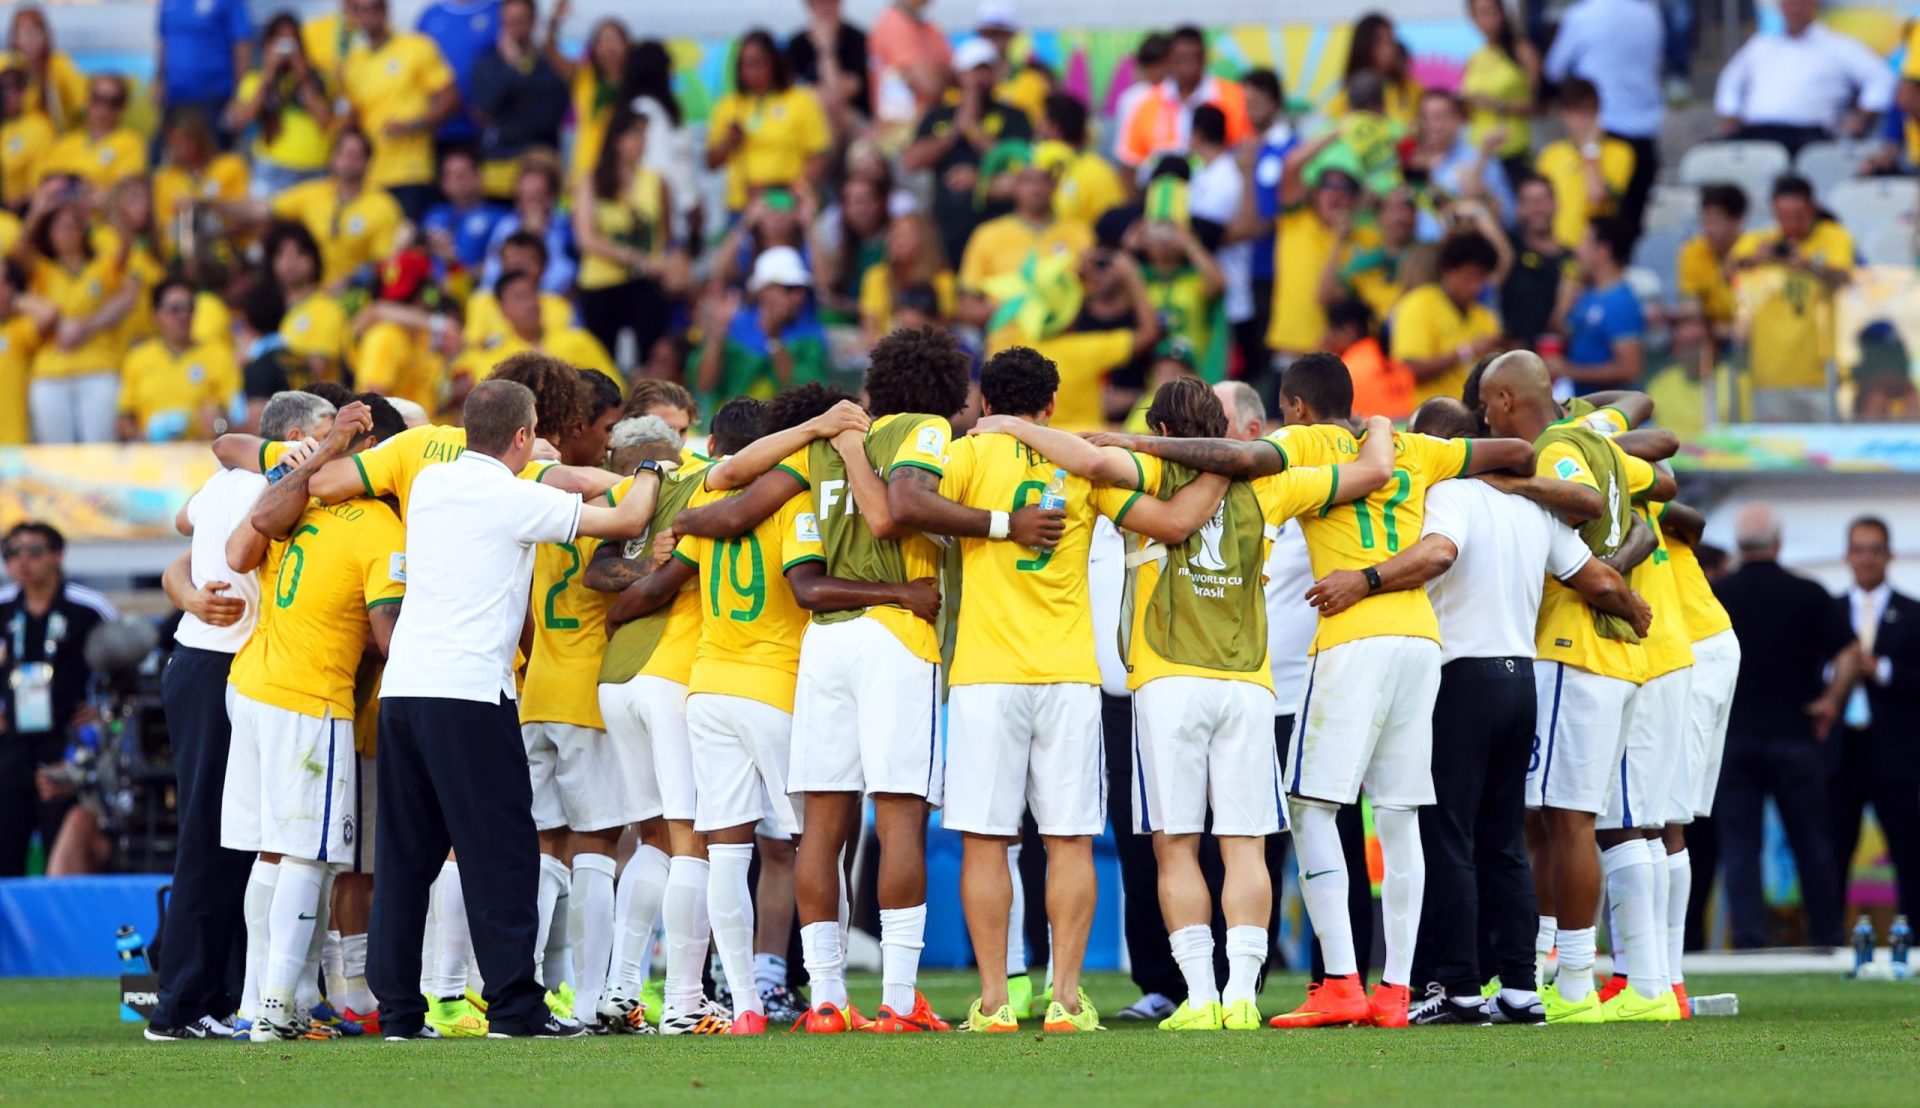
(112, 100)
(172, 306)
(24, 550)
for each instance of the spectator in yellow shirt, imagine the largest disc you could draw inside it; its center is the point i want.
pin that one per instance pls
(913, 259)
(768, 132)
(1316, 210)
(76, 377)
(170, 387)
(353, 221)
(520, 306)
(25, 137)
(195, 171)
(1787, 277)
(1000, 247)
(1022, 85)
(56, 88)
(314, 325)
(1704, 258)
(1440, 330)
(1588, 169)
(287, 105)
(1088, 185)
(101, 151)
(1373, 272)
(21, 331)
(401, 90)
(485, 326)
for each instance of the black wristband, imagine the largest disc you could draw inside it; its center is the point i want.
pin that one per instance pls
(1373, 579)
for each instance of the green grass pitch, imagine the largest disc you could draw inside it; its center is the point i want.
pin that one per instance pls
(1799, 1040)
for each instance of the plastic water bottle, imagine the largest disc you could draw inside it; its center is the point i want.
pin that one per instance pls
(1716, 1004)
(285, 467)
(1862, 944)
(1054, 496)
(133, 949)
(1899, 938)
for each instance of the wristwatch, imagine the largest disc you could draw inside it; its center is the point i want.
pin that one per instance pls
(651, 466)
(1373, 578)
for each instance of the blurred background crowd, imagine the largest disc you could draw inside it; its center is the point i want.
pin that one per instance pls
(346, 197)
(394, 198)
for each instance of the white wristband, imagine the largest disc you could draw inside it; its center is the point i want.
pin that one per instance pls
(997, 527)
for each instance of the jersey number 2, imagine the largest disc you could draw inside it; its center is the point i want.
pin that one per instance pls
(558, 622)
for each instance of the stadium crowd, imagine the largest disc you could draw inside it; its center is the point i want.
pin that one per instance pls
(391, 271)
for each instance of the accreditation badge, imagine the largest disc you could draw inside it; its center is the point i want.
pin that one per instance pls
(33, 697)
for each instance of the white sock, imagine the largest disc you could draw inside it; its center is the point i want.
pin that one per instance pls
(1629, 872)
(591, 911)
(1016, 918)
(306, 991)
(1401, 889)
(354, 992)
(1520, 998)
(684, 913)
(452, 941)
(1316, 839)
(290, 925)
(1193, 952)
(1543, 949)
(769, 972)
(730, 904)
(902, 936)
(558, 959)
(1679, 891)
(1616, 934)
(643, 885)
(826, 963)
(1657, 934)
(554, 878)
(1246, 953)
(330, 968)
(1575, 979)
(844, 907)
(255, 907)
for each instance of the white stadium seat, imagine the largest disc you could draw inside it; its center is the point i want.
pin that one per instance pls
(1751, 165)
(1879, 213)
(1826, 164)
(1673, 209)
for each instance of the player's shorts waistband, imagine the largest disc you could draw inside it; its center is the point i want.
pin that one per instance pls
(1518, 666)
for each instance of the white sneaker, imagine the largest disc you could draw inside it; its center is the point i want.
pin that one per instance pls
(1152, 1006)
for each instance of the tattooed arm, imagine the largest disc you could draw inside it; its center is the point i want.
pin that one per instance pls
(1227, 457)
(914, 500)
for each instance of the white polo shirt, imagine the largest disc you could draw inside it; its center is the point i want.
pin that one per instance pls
(1291, 621)
(1807, 80)
(221, 505)
(1489, 601)
(472, 527)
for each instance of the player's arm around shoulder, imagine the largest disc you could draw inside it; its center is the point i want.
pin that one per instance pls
(1106, 465)
(1495, 455)
(628, 519)
(1372, 468)
(1226, 457)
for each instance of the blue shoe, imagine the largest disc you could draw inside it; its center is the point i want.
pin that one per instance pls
(323, 1015)
(242, 1030)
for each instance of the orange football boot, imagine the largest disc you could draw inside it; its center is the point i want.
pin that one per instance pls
(1388, 1005)
(920, 1019)
(1334, 1002)
(1680, 994)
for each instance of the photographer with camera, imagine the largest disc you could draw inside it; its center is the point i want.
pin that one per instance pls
(44, 623)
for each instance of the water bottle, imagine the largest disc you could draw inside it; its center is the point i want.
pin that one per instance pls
(1716, 1004)
(1862, 944)
(133, 949)
(1899, 937)
(286, 466)
(1054, 496)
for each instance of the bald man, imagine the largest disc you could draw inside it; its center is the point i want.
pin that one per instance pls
(1788, 629)
(1588, 667)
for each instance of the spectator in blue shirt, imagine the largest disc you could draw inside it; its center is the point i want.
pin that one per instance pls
(1606, 332)
(464, 30)
(459, 229)
(536, 196)
(205, 45)
(520, 98)
(1264, 153)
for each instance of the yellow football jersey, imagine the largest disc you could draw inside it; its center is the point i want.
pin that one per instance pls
(389, 468)
(1026, 618)
(1283, 496)
(750, 625)
(1699, 608)
(1666, 645)
(1371, 530)
(569, 633)
(315, 590)
(1565, 631)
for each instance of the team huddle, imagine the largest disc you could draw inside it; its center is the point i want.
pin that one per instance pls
(843, 602)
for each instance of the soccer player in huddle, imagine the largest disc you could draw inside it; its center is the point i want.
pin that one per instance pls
(336, 574)
(1195, 647)
(1366, 715)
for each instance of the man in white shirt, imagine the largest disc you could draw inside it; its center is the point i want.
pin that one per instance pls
(220, 608)
(453, 769)
(1617, 45)
(1802, 83)
(1479, 554)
